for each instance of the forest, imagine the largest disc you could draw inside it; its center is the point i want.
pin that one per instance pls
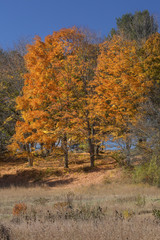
(75, 90)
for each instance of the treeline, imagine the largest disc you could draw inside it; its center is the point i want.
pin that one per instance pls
(12, 68)
(79, 90)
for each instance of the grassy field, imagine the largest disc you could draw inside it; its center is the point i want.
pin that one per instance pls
(96, 204)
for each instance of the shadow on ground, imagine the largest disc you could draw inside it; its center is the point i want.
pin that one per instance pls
(29, 178)
(54, 183)
(48, 173)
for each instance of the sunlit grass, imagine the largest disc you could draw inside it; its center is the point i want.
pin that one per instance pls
(102, 211)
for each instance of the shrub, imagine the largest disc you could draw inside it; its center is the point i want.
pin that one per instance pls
(156, 213)
(148, 172)
(119, 157)
(19, 209)
(4, 232)
(127, 214)
(140, 201)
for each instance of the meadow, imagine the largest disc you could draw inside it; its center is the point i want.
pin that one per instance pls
(48, 202)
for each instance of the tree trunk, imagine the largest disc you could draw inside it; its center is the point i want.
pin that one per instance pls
(42, 149)
(97, 150)
(30, 159)
(90, 143)
(91, 151)
(65, 150)
(128, 153)
(51, 148)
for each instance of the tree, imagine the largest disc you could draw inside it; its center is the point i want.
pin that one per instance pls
(11, 81)
(138, 26)
(55, 105)
(49, 106)
(120, 87)
(148, 125)
(88, 121)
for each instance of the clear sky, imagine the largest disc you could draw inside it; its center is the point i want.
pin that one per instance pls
(27, 18)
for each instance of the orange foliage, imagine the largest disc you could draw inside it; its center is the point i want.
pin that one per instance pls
(19, 209)
(63, 99)
(53, 90)
(120, 83)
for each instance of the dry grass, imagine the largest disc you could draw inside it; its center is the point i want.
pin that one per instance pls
(109, 229)
(101, 211)
(79, 203)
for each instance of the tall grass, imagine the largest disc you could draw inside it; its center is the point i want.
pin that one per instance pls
(105, 211)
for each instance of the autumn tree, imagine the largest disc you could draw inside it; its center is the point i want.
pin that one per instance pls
(88, 118)
(120, 87)
(45, 102)
(148, 124)
(55, 104)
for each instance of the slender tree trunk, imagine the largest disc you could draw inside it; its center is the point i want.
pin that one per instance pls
(97, 150)
(128, 153)
(91, 144)
(91, 151)
(42, 149)
(51, 148)
(65, 150)
(30, 159)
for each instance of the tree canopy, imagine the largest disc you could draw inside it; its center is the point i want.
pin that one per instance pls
(138, 26)
(78, 90)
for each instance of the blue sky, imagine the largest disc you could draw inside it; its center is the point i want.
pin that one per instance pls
(27, 18)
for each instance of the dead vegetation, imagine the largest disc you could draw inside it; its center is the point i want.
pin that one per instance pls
(98, 211)
(49, 202)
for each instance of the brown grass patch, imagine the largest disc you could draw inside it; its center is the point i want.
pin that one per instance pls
(99, 211)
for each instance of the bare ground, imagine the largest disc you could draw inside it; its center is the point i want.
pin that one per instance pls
(50, 171)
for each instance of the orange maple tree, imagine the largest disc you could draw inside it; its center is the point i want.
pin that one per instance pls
(120, 86)
(64, 101)
(54, 104)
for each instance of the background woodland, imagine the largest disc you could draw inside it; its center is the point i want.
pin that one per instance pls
(75, 91)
